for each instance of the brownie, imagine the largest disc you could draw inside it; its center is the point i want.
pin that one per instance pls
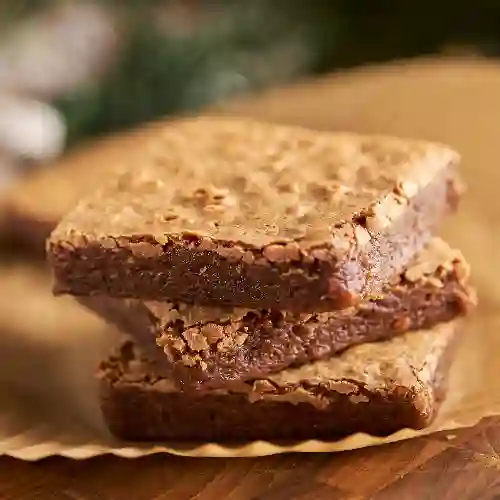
(247, 214)
(207, 347)
(377, 388)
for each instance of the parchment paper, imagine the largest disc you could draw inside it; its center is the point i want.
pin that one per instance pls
(50, 347)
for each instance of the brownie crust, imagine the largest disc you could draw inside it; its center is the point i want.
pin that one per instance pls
(206, 348)
(250, 228)
(373, 388)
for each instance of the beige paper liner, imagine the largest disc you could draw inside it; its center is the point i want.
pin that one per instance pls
(50, 346)
(48, 394)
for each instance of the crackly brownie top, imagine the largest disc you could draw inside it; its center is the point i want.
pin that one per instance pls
(408, 362)
(255, 184)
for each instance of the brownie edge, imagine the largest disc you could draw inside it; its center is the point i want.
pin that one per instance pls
(373, 388)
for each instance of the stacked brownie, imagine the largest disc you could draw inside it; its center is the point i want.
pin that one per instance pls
(272, 282)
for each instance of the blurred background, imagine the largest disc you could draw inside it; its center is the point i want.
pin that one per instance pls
(73, 70)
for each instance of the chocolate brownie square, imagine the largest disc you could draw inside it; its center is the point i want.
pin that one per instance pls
(239, 213)
(377, 388)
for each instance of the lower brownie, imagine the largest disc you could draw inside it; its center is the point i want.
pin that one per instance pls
(207, 348)
(376, 388)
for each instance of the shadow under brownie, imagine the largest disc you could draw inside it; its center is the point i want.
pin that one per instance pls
(238, 213)
(377, 388)
(204, 348)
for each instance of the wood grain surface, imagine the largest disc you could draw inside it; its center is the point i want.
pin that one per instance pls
(462, 465)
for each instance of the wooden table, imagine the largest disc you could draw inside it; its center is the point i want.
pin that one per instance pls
(461, 465)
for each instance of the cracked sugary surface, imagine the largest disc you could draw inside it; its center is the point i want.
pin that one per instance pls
(256, 185)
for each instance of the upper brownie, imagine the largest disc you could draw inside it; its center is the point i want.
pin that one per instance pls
(242, 213)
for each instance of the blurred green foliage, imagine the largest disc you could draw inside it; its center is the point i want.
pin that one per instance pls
(243, 45)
